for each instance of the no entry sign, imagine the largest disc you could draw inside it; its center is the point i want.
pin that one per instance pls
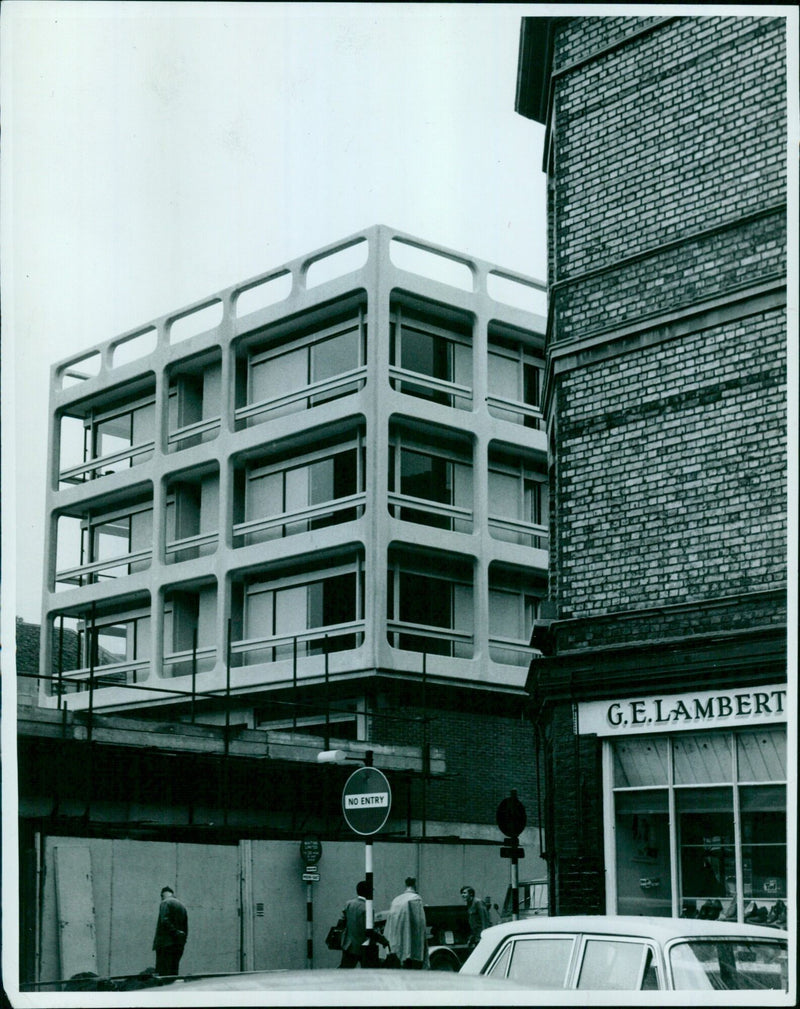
(366, 800)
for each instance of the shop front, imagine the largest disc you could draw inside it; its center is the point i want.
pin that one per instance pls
(694, 803)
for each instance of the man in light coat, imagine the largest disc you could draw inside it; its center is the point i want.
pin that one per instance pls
(406, 928)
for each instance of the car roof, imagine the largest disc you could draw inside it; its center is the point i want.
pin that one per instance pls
(662, 929)
(334, 979)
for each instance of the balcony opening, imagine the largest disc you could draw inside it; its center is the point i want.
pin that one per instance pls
(288, 491)
(195, 401)
(515, 375)
(302, 363)
(190, 624)
(430, 603)
(299, 610)
(430, 477)
(107, 434)
(518, 497)
(431, 351)
(514, 598)
(110, 646)
(192, 515)
(105, 542)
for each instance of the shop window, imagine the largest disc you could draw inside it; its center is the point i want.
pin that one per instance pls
(435, 477)
(315, 359)
(729, 833)
(515, 375)
(643, 853)
(429, 612)
(518, 495)
(640, 762)
(284, 496)
(431, 352)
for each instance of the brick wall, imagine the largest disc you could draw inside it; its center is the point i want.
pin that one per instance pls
(673, 471)
(487, 755)
(678, 131)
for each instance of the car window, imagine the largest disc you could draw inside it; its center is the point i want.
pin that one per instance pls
(612, 964)
(729, 964)
(541, 963)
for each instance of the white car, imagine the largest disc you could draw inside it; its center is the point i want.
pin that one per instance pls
(616, 953)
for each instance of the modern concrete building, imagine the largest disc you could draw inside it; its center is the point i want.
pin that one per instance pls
(308, 513)
(662, 698)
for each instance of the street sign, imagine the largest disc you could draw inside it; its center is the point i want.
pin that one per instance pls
(311, 849)
(511, 816)
(311, 877)
(366, 800)
(511, 849)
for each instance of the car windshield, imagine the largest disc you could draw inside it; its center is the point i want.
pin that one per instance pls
(729, 964)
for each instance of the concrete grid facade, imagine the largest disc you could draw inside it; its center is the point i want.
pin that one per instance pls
(314, 487)
(665, 400)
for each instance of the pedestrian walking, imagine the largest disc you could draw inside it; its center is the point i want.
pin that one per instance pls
(355, 927)
(172, 928)
(406, 928)
(476, 915)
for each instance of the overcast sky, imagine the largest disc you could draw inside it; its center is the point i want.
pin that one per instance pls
(154, 154)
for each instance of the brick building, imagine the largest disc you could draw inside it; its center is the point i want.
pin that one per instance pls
(661, 699)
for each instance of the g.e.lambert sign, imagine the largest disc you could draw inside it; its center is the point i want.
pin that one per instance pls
(707, 709)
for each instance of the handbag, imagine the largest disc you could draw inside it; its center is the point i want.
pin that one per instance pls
(333, 940)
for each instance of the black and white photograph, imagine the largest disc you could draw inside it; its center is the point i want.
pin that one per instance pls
(399, 503)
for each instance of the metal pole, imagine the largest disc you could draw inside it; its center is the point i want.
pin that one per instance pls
(60, 659)
(194, 669)
(515, 883)
(294, 684)
(92, 653)
(425, 753)
(327, 701)
(369, 942)
(309, 926)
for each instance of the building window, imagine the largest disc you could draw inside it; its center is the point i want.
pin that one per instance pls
(515, 375)
(192, 516)
(518, 498)
(430, 485)
(283, 496)
(112, 648)
(427, 612)
(106, 544)
(304, 613)
(345, 719)
(431, 352)
(195, 402)
(514, 598)
(322, 356)
(113, 439)
(726, 840)
(190, 625)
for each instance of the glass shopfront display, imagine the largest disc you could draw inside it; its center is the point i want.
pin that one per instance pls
(700, 824)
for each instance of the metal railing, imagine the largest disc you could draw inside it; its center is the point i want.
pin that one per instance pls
(308, 392)
(452, 512)
(453, 390)
(299, 515)
(537, 535)
(194, 430)
(78, 474)
(76, 575)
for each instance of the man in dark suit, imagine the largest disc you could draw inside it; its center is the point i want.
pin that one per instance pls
(172, 929)
(355, 927)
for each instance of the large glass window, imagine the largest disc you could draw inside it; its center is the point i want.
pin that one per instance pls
(307, 492)
(518, 498)
(322, 357)
(114, 438)
(516, 364)
(430, 612)
(281, 616)
(431, 353)
(439, 479)
(112, 647)
(727, 837)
